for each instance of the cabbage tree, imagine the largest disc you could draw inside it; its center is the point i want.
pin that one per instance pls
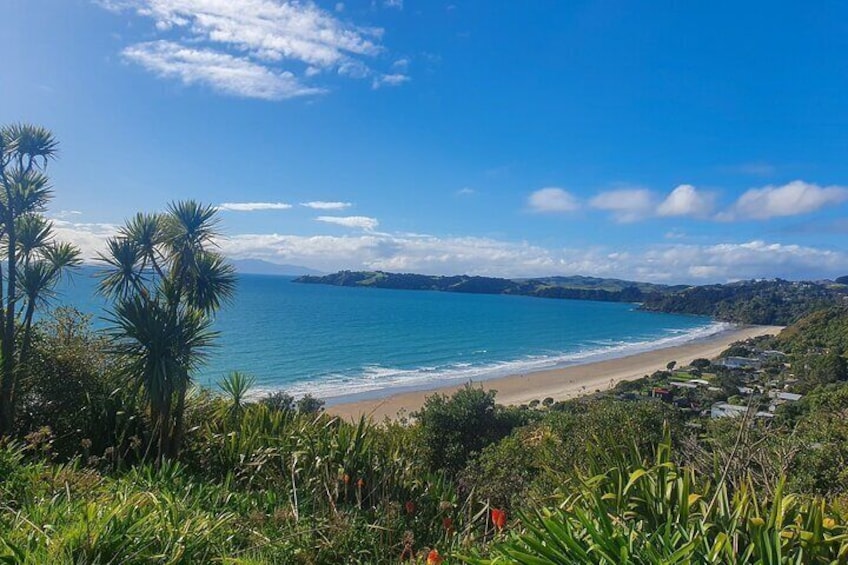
(34, 260)
(166, 280)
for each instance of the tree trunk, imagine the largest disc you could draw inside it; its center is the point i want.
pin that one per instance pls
(179, 423)
(26, 344)
(7, 348)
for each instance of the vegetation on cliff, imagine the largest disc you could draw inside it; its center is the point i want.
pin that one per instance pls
(764, 302)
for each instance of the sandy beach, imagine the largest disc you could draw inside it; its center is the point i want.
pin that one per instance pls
(564, 383)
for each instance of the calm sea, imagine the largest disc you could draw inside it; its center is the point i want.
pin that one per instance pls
(351, 342)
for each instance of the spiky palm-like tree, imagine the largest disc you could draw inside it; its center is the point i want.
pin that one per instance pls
(166, 281)
(34, 261)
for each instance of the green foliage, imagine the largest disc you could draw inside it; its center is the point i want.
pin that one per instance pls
(454, 428)
(166, 281)
(662, 513)
(34, 261)
(236, 387)
(72, 386)
(308, 404)
(575, 287)
(701, 363)
(278, 400)
(823, 330)
(768, 302)
(823, 369)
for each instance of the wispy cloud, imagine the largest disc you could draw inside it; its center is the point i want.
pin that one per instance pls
(552, 200)
(63, 214)
(252, 206)
(626, 204)
(792, 199)
(394, 79)
(269, 49)
(222, 72)
(466, 191)
(360, 222)
(324, 205)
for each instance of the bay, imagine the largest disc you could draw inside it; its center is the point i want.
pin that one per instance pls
(339, 342)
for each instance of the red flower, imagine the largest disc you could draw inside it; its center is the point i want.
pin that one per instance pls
(346, 479)
(447, 522)
(360, 483)
(433, 558)
(410, 507)
(499, 518)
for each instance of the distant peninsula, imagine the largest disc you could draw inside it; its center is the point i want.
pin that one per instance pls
(764, 302)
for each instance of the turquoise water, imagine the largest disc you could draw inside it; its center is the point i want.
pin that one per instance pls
(342, 342)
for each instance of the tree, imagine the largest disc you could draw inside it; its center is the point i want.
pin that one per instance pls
(454, 428)
(823, 369)
(35, 262)
(166, 282)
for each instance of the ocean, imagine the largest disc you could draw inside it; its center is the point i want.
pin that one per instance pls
(349, 343)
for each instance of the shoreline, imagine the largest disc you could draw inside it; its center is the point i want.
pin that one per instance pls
(560, 383)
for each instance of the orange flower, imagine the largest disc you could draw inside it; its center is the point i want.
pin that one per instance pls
(499, 518)
(433, 558)
(447, 522)
(360, 483)
(346, 478)
(410, 507)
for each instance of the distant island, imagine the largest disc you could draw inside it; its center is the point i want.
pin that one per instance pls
(260, 267)
(765, 302)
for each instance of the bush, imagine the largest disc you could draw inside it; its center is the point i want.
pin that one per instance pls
(452, 429)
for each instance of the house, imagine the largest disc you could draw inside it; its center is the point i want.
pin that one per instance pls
(725, 410)
(739, 363)
(785, 396)
(661, 393)
(679, 384)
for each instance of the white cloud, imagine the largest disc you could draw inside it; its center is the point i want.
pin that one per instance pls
(394, 79)
(686, 200)
(466, 191)
(753, 259)
(670, 262)
(220, 71)
(393, 4)
(89, 237)
(626, 204)
(63, 214)
(323, 205)
(552, 200)
(792, 199)
(256, 48)
(252, 206)
(361, 222)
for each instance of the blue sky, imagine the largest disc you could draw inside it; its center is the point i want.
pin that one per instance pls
(670, 141)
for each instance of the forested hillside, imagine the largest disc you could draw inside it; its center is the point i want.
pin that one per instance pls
(767, 302)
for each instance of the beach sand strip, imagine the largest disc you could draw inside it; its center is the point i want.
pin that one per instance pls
(560, 384)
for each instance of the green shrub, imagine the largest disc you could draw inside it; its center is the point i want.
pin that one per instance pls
(454, 428)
